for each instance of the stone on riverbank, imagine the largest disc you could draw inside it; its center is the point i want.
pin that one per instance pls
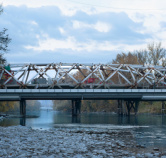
(77, 142)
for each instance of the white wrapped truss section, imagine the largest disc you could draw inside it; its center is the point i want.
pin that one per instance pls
(85, 76)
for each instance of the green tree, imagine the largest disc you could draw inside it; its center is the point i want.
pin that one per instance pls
(4, 41)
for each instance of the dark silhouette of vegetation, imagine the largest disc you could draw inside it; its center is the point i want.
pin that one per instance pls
(4, 41)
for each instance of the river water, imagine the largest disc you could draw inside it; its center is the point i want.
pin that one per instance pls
(148, 130)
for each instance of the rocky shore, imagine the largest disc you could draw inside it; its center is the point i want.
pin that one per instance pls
(74, 142)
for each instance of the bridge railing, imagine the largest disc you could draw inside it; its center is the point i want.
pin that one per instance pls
(75, 75)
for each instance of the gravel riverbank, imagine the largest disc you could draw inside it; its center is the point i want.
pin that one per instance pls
(77, 142)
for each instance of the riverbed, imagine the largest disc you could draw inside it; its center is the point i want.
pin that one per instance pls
(56, 134)
(72, 141)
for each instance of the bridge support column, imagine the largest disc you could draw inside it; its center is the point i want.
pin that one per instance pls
(132, 104)
(121, 107)
(163, 108)
(23, 107)
(76, 107)
(23, 121)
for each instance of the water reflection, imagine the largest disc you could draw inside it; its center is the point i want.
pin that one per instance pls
(76, 119)
(10, 122)
(52, 117)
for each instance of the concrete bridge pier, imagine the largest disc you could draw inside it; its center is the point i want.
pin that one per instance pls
(76, 107)
(163, 107)
(23, 107)
(132, 104)
(23, 121)
(121, 107)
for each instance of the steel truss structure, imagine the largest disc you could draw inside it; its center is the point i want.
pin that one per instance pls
(85, 76)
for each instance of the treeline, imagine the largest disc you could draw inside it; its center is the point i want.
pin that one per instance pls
(14, 106)
(154, 54)
(153, 107)
(107, 106)
(87, 105)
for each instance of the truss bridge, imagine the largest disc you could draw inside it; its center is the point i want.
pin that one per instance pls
(81, 76)
(75, 81)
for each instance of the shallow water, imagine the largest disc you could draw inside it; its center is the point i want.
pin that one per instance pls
(148, 130)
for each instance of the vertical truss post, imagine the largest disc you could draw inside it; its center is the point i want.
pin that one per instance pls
(23, 107)
(76, 107)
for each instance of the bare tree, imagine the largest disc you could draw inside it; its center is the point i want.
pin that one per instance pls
(125, 58)
(142, 57)
(4, 41)
(164, 59)
(156, 53)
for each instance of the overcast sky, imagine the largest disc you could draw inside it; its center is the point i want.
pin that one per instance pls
(80, 31)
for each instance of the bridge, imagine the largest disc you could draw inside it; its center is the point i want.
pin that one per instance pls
(74, 81)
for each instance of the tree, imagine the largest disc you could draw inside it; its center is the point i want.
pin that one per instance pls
(62, 105)
(156, 53)
(33, 105)
(2, 59)
(6, 106)
(142, 57)
(4, 41)
(123, 58)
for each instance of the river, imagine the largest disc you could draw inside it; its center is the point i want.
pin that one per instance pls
(149, 130)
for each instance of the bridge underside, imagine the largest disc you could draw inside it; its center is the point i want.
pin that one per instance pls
(127, 98)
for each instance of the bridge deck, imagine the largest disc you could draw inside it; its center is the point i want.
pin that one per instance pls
(57, 94)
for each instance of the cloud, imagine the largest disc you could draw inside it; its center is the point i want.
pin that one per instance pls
(99, 26)
(91, 34)
(50, 44)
